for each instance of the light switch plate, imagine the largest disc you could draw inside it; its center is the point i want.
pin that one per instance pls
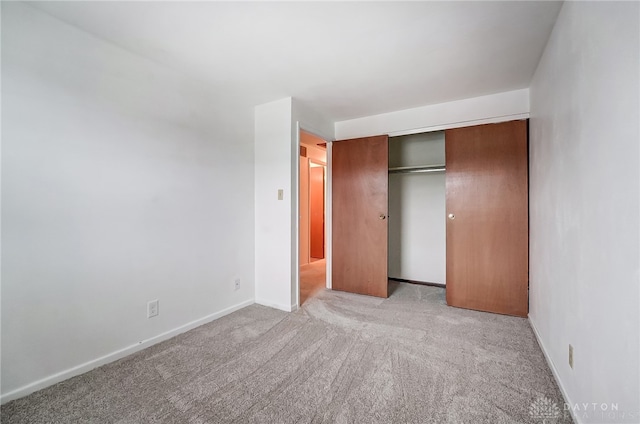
(280, 194)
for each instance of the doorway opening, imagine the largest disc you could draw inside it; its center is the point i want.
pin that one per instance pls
(312, 220)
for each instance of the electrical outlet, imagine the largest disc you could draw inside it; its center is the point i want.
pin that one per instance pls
(571, 356)
(153, 308)
(236, 285)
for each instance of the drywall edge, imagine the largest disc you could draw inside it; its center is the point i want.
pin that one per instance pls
(118, 354)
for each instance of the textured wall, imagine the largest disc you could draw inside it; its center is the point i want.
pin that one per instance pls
(584, 205)
(119, 186)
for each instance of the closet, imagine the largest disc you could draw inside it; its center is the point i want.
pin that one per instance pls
(486, 215)
(417, 226)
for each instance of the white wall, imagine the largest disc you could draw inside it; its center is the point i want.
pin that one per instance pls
(277, 163)
(273, 217)
(584, 179)
(499, 107)
(417, 227)
(120, 184)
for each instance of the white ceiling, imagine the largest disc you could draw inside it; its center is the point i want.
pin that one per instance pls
(345, 59)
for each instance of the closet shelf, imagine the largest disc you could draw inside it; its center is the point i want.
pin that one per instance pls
(416, 169)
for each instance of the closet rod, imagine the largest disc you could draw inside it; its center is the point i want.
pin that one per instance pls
(416, 169)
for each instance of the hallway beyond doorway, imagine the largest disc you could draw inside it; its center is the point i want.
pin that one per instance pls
(313, 279)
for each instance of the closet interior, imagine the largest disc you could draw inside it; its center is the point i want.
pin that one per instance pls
(417, 218)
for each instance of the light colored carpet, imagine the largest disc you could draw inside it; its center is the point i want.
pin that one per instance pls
(341, 358)
(312, 279)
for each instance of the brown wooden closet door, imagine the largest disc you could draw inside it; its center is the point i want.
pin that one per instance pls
(359, 227)
(487, 217)
(316, 208)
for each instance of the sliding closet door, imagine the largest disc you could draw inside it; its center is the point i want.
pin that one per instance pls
(487, 217)
(359, 186)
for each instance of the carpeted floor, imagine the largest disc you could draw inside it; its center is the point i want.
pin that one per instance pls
(312, 279)
(341, 358)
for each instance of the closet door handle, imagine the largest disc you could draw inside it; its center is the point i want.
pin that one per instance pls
(382, 216)
(451, 216)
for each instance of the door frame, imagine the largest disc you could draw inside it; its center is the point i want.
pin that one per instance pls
(295, 177)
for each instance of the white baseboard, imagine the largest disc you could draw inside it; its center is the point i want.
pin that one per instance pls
(286, 308)
(554, 371)
(118, 354)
